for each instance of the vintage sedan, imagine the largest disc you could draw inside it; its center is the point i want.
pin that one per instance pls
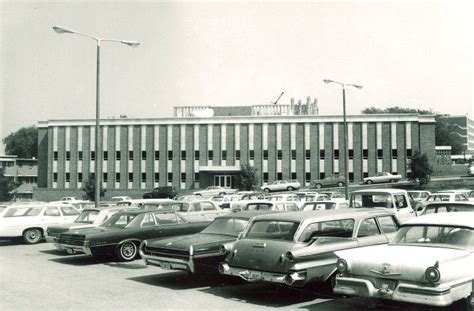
(324, 205)
(447, 207)
(429, 262)
(198, 252)
(121, 235)
(197, 210)
(335, 180)
(214, 190)
(281, 185)
(382, 177)
(298, 248)
(30, 221)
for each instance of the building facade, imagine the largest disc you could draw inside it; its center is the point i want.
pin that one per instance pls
(463, 126)
(189, 153)
(22, 171)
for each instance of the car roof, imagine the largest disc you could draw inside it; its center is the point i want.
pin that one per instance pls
(243, 215)
(380, 190)
(464, 219)
(327, 214)
(449, 203)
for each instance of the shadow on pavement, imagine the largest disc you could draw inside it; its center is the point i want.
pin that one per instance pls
(80, 260)
(126, 265)
(56, 252)
(358, 303)
(182, 280)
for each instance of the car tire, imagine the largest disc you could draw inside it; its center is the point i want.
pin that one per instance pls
(127, 251)
(32, 235)
(318, 186)
(290, 188)
(267, 190)
(369, 182)
(340, 184)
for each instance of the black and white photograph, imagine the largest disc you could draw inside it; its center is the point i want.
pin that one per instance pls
(237, 155)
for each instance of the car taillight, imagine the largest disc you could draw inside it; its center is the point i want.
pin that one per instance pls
(432, 274)
(341, 265)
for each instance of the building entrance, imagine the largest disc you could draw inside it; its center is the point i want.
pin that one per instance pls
(225, 181)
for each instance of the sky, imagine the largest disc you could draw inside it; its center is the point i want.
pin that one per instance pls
(414, 54)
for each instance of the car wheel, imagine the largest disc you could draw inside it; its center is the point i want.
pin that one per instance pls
(266, 190)
(32, 236)
(127, 251)
(318, 186)
(340, 184)
(369, 182)
(290, 188)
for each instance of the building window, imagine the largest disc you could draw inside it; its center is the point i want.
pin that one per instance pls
(92, 176)
(224, 155)
(106, 155)
(143, 177)
(68, 155)
(117, 155)
(366, 174)
(79, 177)
(196, 177)
(170, 177)
(265, 154)
(210, 155)
(379, 153)
(408, 153)
(293, 175)
(308, 177)
(308, 154)
(237, 154)
(55, 177)
(130, 177)
(183, 177)
(321, 154)
(68, 177)
(351, 154)
(183, 154)
(279, 154)
(279, 176)
(79, 156)
(252, 154)
(265, 177)
(351, 176)
(130, 155)
(196, 154)
(293, 154)
(394, 173)
(92, 155)
(104, 177)
(322, 175)
(336, 154)
(55, 155)
(170, 154)
(117, 177)
(143, 155)
(365, 154)
(157, 177)
(157, 154)
(394, 153)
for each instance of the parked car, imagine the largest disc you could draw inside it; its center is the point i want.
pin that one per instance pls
(446, 207)
(120, 236)
(470, 170)
(446, 197)
(69, 199)
(323, 205)
(298, 248)
(89, 218)
(31, 221)
(418, 195)
(120, 198)
(143, 203)
(429, 262)
(395, 199)
(228, 199)
(165, 192)
(250, 205)
(198, 210)
(255, 196)
(335, 180)
(280, 185)
(198, 252)
(214, 190)
(382, 177)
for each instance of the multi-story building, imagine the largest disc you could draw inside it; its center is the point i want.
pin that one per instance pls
(463, 126)
(195, 152)
(22, 171)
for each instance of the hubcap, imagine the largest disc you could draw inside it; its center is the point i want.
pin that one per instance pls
(128, 250)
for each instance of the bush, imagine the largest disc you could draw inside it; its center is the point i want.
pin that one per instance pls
(420, 168)
(246, 179)
(89, 188)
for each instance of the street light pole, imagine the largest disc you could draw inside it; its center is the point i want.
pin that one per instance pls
(98, 144)
(346, 152)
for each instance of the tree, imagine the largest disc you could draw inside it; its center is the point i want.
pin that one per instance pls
(420, 168)
(395, 109)
(246, 178)
(7, 185)
(22, 143)
(89, 188)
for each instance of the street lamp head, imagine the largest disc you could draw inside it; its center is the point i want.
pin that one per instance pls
(61, 30)
(132, 44)
(327, 81)
(357, 86)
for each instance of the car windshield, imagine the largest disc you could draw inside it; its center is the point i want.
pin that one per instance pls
(316, 206)
(22, 211)
(342, 228)
(371, 200)
(119, 220)
(69, 211)
(273, 230)
(226, 226)
(435, 235)
(258, 207)
(87, 217)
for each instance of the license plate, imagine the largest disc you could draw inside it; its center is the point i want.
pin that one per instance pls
(255, 275)
(165, 265)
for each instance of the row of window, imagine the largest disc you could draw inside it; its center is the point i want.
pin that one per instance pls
(210, 154)
(130, 177)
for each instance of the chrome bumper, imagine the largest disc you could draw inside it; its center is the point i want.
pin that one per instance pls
(252, 275)
(169, 263)
(434, 296)
(73, 249)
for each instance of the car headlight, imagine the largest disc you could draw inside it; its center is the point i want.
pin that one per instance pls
(289, 256)
(432, 274)
(341, 265)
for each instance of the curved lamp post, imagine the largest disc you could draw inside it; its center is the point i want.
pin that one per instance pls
(346, 158)
(98, 149)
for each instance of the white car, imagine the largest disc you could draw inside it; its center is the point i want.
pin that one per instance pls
(382, 177)
(323, 205)
(281, 185)
(214, 190)
(418, 195)
(446, 197)
(120, 198)
(195, 211)
(470, 170)
(31, 221)
(69, 199)
(429, 262)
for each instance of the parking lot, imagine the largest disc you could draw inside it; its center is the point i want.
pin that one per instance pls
(39, 277)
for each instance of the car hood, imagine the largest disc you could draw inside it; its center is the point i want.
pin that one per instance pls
(198, 241)
(405, 262)
(263, 255)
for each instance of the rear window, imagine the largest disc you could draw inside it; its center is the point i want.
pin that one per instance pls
(22, 211)
(319, 206)
(69, 211)
(371, 200)
(334, 228)
(273, 230)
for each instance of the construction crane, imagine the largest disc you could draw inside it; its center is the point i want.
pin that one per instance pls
(275, 102)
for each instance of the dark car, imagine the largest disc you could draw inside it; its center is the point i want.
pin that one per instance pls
(201, 252)
(123, 232)
(329, 181)
(161, 193)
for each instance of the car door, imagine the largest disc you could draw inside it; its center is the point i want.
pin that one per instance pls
(369, 233)
(195, 212)
(404, 212)
(148, 227)
(209, 211)
(51, 215)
